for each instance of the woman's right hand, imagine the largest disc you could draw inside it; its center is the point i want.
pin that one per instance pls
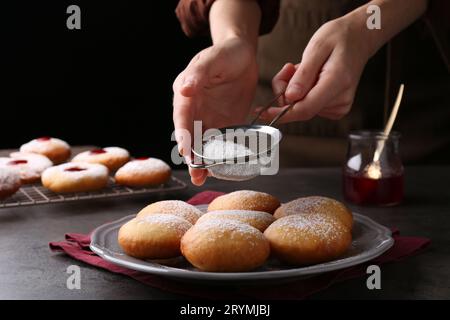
(217, 87)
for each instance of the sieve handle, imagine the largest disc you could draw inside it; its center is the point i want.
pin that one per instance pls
(266, 107)
(282, 113)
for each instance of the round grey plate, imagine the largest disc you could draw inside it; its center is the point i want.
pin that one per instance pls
(370, 240)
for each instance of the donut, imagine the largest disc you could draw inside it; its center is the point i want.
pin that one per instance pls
(245, 200)
(9, 182)
(316, 204)
(224, 245)
(143, 172)
(29, 165)
(111, 157)
(175, 207)
(75, 177)
(257, 219)
(55, 149)
(308, 239)
(153, 237)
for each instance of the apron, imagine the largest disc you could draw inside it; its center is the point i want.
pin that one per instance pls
(323, 142)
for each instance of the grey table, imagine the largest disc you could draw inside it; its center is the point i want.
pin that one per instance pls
(28, 270)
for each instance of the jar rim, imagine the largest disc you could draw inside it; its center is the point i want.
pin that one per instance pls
(373, 134)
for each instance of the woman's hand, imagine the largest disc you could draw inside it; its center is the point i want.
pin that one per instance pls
(217, 87)
(325, 81)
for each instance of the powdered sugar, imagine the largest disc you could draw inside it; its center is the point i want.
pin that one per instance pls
(225, 228)
(219, 150)
(238, 214)
(92, 170)
(29, 165)
(320, 225)
(8, 179)
(136, 167)
(249, 199)
(306, 204)
(173, 222)
(43, 146)
(109, 151)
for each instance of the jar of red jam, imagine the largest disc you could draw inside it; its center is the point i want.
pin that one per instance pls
(373, 173)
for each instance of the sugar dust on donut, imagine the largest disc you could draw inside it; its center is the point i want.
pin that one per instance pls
(143, 172)
(57, 150)
(111, 157)
(75, 177)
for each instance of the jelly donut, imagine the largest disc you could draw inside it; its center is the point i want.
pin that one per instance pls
(257, 219)
(308, 239)
(55, 149)
(316, 204)
(153, 237)
(143, 172)
(29, 165)
(175, 207)
(9, 182)
(245, 200)
(224, 245)
(111, 157)
(75, 177)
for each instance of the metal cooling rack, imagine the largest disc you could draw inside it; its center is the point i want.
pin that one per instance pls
(36, 194)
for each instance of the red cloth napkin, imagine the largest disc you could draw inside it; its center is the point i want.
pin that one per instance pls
(77, 246)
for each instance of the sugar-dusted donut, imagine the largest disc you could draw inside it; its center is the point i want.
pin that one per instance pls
(75, 177)
(29, 165)
(308, 239)
(9, 182)
(153, 237)
(55, 149)
(223, 245)
(175, 207)
(316, 204)
(143, 172)
(245, 200)
(111, 157)
(257, 219)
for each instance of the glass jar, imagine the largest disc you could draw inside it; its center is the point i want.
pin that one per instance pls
(373, 171)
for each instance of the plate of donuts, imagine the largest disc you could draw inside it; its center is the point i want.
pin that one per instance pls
(242, 237)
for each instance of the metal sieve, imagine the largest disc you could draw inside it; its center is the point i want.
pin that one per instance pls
(262, 141)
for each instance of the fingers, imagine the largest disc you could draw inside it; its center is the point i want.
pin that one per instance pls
(318, 98)
(281, 80)
(314, 57)
(198, 176)
(183, 120)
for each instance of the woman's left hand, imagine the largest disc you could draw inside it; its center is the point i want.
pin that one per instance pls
(325, 81)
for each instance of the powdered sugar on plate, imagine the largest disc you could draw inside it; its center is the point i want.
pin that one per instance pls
(225, 228)
(320, 225)
(172, 221)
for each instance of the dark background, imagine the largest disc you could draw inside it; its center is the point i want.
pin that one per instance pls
(109, 83)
